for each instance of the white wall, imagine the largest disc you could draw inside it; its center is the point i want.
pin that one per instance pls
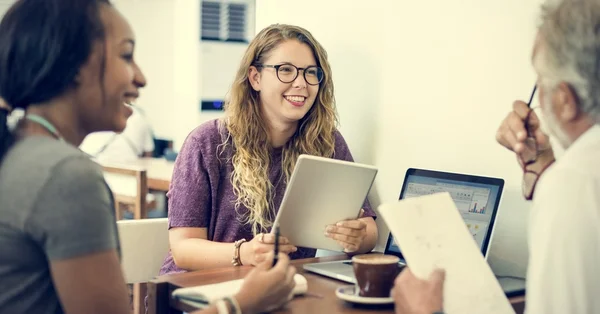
(153, 24)
(426, 84)
(167, 45)
(187, 80)
(181, 70)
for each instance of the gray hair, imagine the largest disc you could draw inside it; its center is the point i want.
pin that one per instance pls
(570, 35)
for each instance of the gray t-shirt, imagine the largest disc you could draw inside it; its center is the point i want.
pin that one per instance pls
(54, 205)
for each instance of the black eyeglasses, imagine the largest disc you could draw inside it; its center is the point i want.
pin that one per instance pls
(287, 73)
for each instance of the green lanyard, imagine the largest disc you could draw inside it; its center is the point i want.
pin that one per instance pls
(45, 123)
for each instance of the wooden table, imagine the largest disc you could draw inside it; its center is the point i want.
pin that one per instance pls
(161, 302)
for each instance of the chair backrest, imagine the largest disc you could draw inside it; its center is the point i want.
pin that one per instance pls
(129, 186)
(144, 245)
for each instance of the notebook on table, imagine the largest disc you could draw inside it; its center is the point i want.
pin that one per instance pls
(207, 294)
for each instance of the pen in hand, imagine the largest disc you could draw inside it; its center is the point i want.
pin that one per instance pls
(275, 256)
(531, 97)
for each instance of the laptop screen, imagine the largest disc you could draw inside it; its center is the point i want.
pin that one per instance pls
(476, 198)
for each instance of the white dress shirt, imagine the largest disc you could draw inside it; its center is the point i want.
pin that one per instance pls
(563, 274)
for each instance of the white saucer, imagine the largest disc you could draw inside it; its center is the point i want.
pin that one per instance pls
(349, 293)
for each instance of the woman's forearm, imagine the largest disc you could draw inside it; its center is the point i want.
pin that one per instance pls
(194, 254)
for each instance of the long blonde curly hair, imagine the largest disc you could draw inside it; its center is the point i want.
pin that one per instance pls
(248, 132)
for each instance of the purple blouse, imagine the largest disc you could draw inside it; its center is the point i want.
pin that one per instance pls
(201, 194)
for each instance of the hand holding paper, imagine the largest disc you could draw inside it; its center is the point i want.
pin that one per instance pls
(414, 295)
(432, 235)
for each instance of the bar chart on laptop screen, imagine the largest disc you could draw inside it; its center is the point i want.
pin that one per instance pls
(471, 201)
(479, 201)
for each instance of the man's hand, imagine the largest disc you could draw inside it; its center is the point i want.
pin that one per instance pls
(513, 135)
(415, 296)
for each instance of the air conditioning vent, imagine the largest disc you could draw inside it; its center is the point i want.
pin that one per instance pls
(224, 21)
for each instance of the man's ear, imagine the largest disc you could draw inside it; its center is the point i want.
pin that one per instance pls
(254, 78)
(567, 103)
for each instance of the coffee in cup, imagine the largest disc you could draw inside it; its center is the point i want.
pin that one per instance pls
(375, 274)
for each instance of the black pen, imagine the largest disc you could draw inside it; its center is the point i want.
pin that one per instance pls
(531, 97)
(275, 258)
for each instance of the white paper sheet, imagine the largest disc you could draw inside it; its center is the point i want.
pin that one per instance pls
(432, 234)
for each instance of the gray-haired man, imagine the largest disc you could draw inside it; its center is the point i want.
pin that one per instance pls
(564, 233)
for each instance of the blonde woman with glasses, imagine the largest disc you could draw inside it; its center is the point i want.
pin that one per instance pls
(231, 173)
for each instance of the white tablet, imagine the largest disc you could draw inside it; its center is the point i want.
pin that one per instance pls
(321, 192)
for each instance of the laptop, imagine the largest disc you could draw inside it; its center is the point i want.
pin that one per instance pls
(476, 197)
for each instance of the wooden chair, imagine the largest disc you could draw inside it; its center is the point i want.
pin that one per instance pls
(130, 188)
(144, 242)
